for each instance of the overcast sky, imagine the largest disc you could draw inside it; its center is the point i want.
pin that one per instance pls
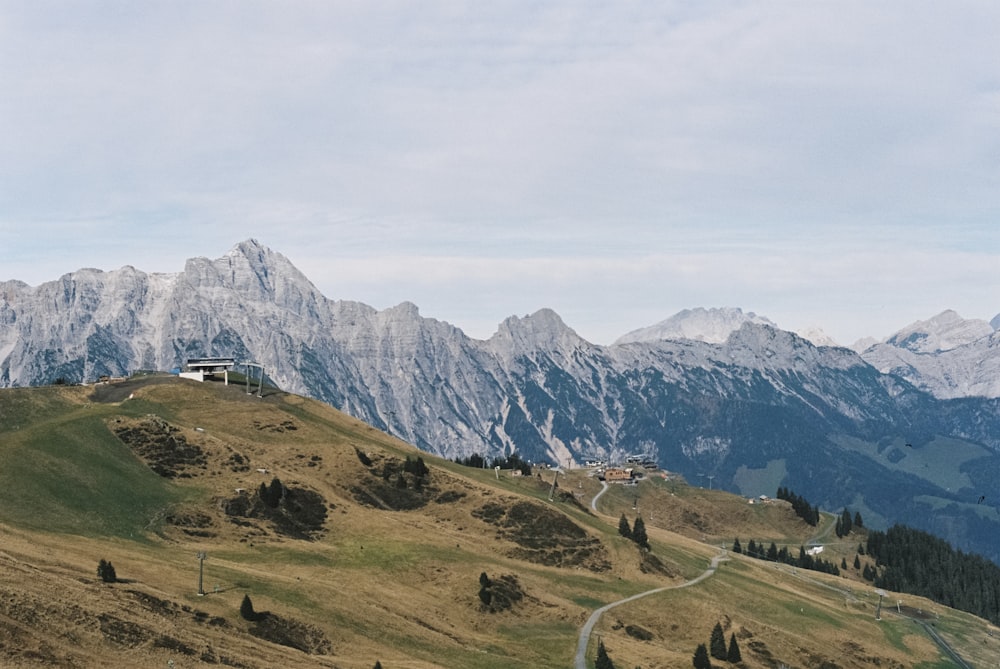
(830, 164)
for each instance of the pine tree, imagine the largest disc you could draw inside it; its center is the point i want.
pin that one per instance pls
(700, 659)
(717, 645)
(378, 665)
(106, 571)
(857, 562)
(484, 580)
(639, 533)
(736, 546)
(846, 523)
(603, 661)
(271, 495)
(857, 520)
(733, 655)
(623, 527)
(246, 609)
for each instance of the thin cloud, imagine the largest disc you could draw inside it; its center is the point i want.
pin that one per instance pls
(786, 158)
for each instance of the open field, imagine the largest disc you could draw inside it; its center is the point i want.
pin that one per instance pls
(364, 560)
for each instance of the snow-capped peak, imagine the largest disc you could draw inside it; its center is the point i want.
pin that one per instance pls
(712, 326)
(943, 332)
(816, 336)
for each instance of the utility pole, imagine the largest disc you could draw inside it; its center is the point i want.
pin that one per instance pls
(201, 571)
(710, 481)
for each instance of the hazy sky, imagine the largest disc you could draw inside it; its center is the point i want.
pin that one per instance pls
(831, 164)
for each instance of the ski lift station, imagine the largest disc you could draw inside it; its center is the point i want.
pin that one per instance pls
(199, 368)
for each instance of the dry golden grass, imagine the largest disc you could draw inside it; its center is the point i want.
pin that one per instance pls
(395, 586)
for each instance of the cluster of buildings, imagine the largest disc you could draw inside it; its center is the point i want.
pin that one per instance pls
(627, 475)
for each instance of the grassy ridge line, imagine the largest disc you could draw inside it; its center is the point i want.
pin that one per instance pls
(401, 586)
(67, 472)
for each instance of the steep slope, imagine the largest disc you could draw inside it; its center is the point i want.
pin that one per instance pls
(947, 355)
(752, 406)
(392, 571)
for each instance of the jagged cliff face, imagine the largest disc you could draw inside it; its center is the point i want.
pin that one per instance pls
(747, 403)
(947, 355)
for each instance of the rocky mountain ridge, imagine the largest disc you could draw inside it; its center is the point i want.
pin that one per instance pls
(748, 404)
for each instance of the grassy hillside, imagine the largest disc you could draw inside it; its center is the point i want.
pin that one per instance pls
(365, 558)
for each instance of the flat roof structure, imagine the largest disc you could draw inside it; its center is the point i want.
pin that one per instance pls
(199, 368)
(209, 365)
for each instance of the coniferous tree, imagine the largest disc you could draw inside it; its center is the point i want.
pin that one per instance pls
(805, 560)
(603, 661)
(736, 546)
(857, 562)
(700, 659)
(106, 571)
(623, 527)
(717, 644)
(772, 555)
(378, 665)
(484, 580)
(857, 520)
(733, 655)
(639, 533)
(846, 524)
(271, 495)
(909, 560)
(246, 609)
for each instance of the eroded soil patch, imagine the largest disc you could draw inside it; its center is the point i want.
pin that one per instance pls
(298, 513)
(161, 446)
(291, 633)
(544, 536)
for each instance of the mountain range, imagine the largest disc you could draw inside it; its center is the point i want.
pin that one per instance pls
(902, 430)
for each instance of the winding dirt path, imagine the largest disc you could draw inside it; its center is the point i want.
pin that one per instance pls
(588, 627)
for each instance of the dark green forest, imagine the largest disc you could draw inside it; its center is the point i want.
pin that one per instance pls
(918, 563)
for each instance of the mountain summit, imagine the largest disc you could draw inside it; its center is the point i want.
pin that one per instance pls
(714, 392)
(708, 325)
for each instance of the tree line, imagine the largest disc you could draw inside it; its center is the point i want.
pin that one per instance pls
(774, 554)
(803, 509)
(512, 461)
(918, 563)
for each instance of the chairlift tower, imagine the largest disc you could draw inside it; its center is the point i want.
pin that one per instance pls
(878, 612)
(260, 383)
(201, 571)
